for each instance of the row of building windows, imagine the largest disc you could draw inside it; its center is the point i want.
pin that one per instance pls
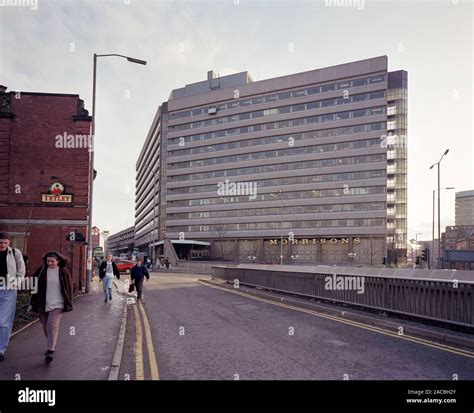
(379, 110)
(258, 128)
(312, 90)
(121, 236)
(366, 143)
(304, 209)
(265, 183)
(362, 97)
(376, 126)
(326, 223)
(345, 190)
(350, 160)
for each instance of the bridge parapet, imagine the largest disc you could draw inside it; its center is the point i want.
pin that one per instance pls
(445, 296)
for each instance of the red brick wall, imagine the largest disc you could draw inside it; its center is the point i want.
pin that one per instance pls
(28, 159)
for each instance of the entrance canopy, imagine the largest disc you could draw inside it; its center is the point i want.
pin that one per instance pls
(186, 242)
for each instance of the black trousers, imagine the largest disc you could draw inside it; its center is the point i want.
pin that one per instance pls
(139, 286)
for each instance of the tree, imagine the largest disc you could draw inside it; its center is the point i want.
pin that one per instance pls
(219, 234)
(371, 253)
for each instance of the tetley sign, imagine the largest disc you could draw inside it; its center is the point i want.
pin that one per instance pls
(56, 194)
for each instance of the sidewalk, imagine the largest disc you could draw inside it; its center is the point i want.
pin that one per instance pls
(85, 348)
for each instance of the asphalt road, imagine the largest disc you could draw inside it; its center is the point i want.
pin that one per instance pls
(199, 332)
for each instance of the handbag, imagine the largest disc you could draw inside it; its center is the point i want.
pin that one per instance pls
(29, 309)
(131, 288)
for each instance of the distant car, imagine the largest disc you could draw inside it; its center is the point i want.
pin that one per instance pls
(125, 265)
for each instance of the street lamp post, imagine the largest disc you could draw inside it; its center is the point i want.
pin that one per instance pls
(432, 235)
(439, 204)
(433, 227)
(91, 165)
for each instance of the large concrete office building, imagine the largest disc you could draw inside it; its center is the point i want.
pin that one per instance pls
(309, 168)
(464, 214)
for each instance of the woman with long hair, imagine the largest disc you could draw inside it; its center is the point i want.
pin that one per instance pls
(53, 298)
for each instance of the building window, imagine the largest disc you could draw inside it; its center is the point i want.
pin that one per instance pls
(328, 88)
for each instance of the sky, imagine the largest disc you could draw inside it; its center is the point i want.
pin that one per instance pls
(47, 46)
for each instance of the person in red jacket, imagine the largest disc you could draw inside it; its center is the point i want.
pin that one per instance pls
(53, 298)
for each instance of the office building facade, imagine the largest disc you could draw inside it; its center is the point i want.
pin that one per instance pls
(122, 242)
(464, 213)
(308, 168)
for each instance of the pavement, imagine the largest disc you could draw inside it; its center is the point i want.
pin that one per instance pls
(85, 348)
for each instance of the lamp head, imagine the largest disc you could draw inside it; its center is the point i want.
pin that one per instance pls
(140, 62)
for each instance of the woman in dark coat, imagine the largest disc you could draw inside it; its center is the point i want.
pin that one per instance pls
(53, 298)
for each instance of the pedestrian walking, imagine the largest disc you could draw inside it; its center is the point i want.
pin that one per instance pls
(167, 263)
(11, 265)
(139, 272)
(53, 298)
(107, 270)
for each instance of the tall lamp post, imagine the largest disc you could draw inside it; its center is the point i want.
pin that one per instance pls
(91, 166)
(433, 229)
(439, 204)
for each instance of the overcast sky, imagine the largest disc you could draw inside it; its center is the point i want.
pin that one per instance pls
(47, 46)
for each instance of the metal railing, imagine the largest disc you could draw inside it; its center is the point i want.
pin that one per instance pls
(443, 296)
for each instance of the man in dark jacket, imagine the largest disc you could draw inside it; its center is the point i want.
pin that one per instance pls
(107, 270)
(139, 272)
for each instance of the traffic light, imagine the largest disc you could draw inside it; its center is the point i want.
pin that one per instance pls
(424, 254)
(418, 261)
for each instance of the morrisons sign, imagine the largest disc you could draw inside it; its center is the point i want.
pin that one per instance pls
(313, 241)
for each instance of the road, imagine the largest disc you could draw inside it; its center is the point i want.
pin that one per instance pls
(201, 333)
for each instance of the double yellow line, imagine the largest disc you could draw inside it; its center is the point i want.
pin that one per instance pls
(139, 363)
(379, 330)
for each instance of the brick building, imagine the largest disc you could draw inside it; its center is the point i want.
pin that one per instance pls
(44, 175)
(457, 245)
(95, 237)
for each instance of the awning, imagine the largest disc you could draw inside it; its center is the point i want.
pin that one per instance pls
(187, 242)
